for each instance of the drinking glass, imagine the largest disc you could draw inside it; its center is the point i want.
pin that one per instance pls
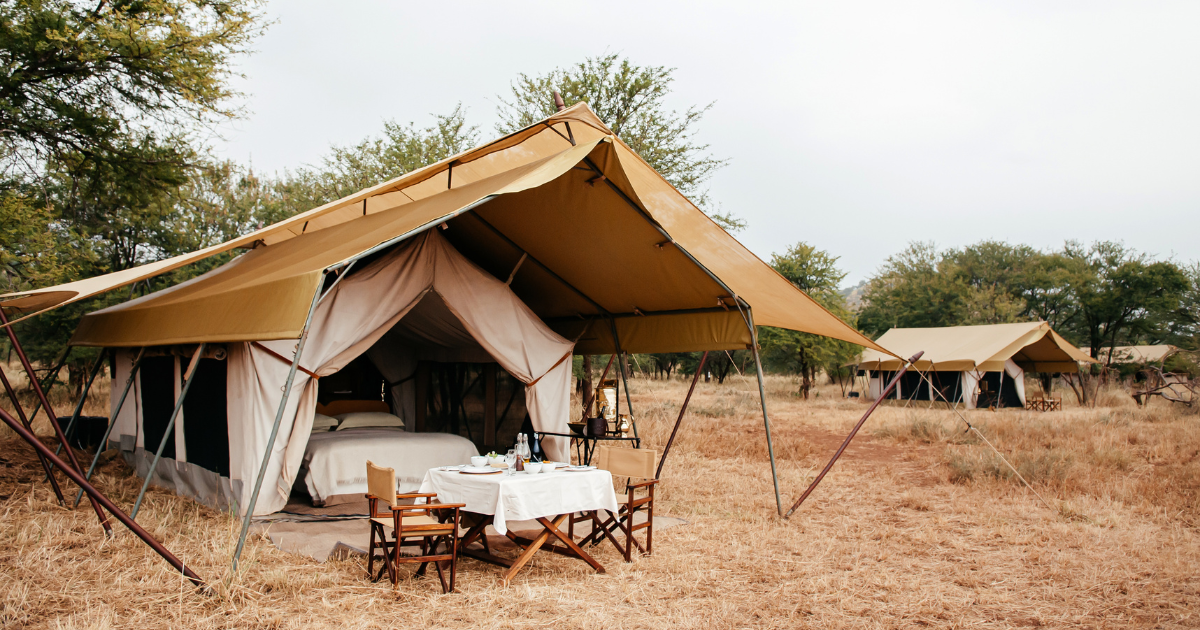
(510, 458)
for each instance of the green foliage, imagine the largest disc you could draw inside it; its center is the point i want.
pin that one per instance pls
(816, 273)
(400, 150)
(630, 100)
(95, 79)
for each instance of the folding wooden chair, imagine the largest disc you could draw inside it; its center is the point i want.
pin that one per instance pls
(411, 526)
(634, 463)
(1035, 403)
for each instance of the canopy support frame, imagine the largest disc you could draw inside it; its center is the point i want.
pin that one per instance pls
(748, 316)
(624, 379)
(87, 387)
(58, 431)
(27, 421)
(189, 376)
(96, 495)
(112, 421)
(682, 410)
(283, 400)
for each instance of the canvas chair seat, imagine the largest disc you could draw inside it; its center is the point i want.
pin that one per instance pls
(414, 521)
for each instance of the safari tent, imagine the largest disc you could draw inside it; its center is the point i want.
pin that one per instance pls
(1136, 355)
(966, 363)
(554, 240)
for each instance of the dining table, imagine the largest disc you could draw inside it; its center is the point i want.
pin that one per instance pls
(501, 497)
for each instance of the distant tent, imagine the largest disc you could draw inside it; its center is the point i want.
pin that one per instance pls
(1135, 354)
(970, 364)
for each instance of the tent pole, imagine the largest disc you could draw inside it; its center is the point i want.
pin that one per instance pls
(853, 432)
(682, 410)
(112, 422)
(96, 495)
(762, 394)
(748, 317)
(287, 390)
(87, 387)
(12, 395)
(170, 430)
(12, 337)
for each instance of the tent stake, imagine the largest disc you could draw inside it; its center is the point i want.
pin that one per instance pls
(16, 344)
(188, 377)
(87, 387)
(682, 410)
(287, 390)
(96, 495)
(112, 422)
(12, 395)
(882, 396)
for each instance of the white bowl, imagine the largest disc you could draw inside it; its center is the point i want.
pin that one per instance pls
(479, 461)
(533, 468)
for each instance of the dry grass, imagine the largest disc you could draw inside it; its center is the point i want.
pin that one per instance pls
(916, 526)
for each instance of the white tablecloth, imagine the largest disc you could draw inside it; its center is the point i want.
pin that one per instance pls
(521, 497)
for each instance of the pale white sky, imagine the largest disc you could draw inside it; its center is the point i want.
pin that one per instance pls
(854, 126)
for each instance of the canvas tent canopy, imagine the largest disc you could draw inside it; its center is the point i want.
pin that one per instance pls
(958, 358)
(594, 250)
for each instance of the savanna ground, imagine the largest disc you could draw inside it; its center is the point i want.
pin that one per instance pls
(917, 525)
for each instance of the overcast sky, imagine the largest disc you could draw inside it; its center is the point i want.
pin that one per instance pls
(854, 126)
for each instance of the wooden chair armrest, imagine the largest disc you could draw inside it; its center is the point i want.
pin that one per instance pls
(642, 484)
(425, 507)
(417, 495)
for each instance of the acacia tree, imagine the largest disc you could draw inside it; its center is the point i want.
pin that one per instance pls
(816, 273)
(630, 99)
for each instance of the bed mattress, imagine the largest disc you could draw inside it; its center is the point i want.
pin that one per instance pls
(335, 462)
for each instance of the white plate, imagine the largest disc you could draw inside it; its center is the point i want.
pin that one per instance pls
(580, 468)
(445, 468)
(481, 470)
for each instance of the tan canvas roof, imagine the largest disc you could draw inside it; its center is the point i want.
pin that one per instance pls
(601, 234)
(1031, 345)
(1136, 354)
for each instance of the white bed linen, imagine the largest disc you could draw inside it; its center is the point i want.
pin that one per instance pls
(336, 462)
(521, 497)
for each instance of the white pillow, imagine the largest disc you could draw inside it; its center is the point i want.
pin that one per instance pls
(323, 423)
(368, 419)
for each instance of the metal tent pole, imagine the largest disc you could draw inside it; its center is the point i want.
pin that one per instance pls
(87, 387)
(96, 495)
(112, 422)
(12, 337)
(287, 390)
(12, 395)
(170, 430)
(748, 317)
(682, 410)
(853, 432)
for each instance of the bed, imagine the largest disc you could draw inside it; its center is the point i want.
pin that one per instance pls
(334, 469)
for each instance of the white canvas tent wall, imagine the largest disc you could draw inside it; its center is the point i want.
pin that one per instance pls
(972, 351)
(486, 322)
